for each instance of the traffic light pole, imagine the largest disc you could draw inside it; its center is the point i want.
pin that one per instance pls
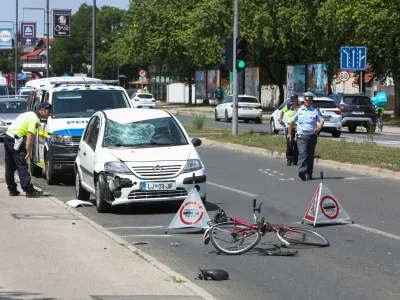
(234, 71)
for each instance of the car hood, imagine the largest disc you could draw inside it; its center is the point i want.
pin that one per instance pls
(173, 153)
(8, 117)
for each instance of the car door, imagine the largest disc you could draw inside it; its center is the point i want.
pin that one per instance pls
(41, 134)
(87, 148)
(220, 108)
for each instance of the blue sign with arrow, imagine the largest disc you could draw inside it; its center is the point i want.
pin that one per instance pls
(353, 58)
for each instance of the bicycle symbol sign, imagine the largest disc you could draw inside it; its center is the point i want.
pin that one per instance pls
(343, 76)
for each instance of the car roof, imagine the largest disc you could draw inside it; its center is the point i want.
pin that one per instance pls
(129, 115)
(81, 87)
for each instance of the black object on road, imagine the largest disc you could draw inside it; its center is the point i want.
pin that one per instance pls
(217, 275)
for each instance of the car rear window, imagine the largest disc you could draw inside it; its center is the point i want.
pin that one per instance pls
(145, 96)
(248, 100)
(324, 104)
(356, 100)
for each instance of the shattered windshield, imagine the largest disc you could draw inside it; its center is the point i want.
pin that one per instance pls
(146, 133)
(84, 103)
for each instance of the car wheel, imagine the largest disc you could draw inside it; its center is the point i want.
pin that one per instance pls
(258, 121)
(34, 169)
(336, 134)
(226, 117)
(216, 116)
(352, 129)
(49, 172)
(80, 193)
(272, 127)
(102, 205)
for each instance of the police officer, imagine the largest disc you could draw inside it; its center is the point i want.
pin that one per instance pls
(18, 142)
(292, 153)
(310, 123)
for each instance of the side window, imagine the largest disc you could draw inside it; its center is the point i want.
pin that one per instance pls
(37, 101)
(224, 101)
(230, 99)
(94, 133)
(89, 128)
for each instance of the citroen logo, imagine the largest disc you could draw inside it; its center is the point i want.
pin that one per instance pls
(157, 168)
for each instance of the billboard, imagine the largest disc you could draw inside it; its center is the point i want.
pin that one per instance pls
(6, 40)
(28, 31)
(317, 78)
(62, 23)
(296, 79)
(307, 78)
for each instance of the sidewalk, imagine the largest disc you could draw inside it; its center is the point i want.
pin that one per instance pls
(50, 251)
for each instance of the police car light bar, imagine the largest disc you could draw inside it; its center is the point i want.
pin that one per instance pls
(59, 82)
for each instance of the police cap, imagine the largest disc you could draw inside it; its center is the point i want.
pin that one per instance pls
(294, 96)
(45, 105)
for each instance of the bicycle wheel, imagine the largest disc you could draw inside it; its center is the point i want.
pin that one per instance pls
(293, 236)
(233, 239)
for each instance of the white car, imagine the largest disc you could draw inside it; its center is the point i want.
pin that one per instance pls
(142, 99)
(329, 110)
(248, 109)
(128, 155)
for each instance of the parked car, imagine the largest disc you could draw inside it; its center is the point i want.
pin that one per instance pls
(357, 110)
(130, 155)
(332, 116)
(143, 99)
(248, 109)
(10, 109)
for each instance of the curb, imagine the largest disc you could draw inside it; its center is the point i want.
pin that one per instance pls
(153, 261)
(365, 170)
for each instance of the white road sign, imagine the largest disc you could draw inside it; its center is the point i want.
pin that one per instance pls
(343, 76)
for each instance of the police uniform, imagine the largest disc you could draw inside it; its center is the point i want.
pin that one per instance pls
(15, 152)
(292, 152)
(308, 119)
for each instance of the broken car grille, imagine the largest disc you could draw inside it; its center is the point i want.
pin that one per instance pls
(157, 171)
(141, 195)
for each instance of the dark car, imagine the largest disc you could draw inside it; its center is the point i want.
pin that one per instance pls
(357, 110)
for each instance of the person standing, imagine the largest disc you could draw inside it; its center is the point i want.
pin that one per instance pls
(310, 123)
(292, 153)
(18, 143)
(218, 94)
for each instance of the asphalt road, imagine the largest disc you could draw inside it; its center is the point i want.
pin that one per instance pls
(363, 261)
(381, 138)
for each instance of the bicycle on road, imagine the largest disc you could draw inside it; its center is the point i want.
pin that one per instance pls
(233, 236)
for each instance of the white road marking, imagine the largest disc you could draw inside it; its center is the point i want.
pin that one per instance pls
(146, 235)
(354, 178)
(271, 174)
(274, 172)
(389, 235)
(232, 189)
(268, 169)
(282, 174)
(286, 179)
(134, 227)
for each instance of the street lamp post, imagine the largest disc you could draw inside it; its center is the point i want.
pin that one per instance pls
(48, 39)
(94, 39)
(118, 36)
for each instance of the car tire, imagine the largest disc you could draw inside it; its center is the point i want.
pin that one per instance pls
(258, 121)
(216, 116)
(352, 129)
(336, 134)
(102, 205)
(34, 169)
(80, 193)
(272, 127)
(227, 120)
(49, 172)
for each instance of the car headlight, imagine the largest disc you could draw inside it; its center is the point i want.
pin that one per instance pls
(61, 138)
(192, 165)
(116, 167)
(3, 123)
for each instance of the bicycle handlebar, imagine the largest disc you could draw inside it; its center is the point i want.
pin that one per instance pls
(254, 206)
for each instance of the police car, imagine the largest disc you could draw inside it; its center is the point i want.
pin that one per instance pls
(74, 100)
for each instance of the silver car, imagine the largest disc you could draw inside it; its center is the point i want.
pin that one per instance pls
(10, 109)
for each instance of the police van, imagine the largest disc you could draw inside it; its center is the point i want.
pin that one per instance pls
(74, 100)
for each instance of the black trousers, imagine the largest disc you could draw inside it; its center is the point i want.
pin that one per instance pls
(15, 161)
(292, 152)
(307, 146)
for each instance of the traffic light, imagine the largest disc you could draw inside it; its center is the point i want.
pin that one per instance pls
(227, 52)
(242, 48)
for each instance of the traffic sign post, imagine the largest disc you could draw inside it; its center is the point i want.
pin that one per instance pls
(344, 76)
(353, 58)
(142, 73)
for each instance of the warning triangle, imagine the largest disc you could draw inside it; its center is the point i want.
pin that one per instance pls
(325, 209)
(191, 214)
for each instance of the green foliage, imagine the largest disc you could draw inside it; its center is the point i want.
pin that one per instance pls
(198, 123)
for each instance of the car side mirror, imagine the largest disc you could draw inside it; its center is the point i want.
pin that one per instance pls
(196, 142)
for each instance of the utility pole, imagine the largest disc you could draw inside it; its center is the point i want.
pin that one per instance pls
(94, 40)
(16, 48)
(234, 71)
(48, 39)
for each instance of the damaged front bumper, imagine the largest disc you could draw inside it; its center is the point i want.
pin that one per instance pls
(125, 188)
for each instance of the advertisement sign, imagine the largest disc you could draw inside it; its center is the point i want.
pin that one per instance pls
(296, 79)
(28, 31)
(6, 38)
(200, 86)
(317, 78)
(62, 23)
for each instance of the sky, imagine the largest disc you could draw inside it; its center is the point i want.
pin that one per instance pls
(7, 10)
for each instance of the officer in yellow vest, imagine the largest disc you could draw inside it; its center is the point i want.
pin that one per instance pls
(18, 142)
(292, 153)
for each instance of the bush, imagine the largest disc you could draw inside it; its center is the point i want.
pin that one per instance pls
(199, 122)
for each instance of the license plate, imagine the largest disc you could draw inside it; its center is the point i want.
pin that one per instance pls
(158, 186)
(247, 107)
(327, 118)
(357, 112)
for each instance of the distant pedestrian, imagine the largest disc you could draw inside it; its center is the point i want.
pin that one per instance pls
(292, 152)
(310, 123)
(218, 94)
(18, 143)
